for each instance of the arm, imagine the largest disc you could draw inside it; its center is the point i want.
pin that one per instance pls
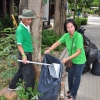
(56, 44)
(24, 57)
(72, 56)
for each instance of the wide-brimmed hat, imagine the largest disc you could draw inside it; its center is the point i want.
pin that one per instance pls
(26, 13)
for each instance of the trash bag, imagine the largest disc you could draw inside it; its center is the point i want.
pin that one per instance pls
(92, 53)
(86, 44)
(91, 50)
(49, 86)
(86, 68)
(81, 30)
(96, 66)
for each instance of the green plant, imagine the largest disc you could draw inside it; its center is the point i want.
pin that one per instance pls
(78, 21)
(7, 46)
(3, 98)
(1, 24)
(69, 15)
(83, 21)
(26, 93)
(48, 38)
(8, 73)
(7, 21)
(9, 30)
(2, 68)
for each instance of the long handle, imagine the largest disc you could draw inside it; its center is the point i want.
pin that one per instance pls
(34, 62)
(14, 20)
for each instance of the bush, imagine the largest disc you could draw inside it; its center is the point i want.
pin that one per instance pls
(1, 24)
(83, 21)
(24, 93)
(69, 15)
(7, 22)
(8, 46)
(49, 37)
(78, 22)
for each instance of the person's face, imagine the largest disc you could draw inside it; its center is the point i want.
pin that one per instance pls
(70, 28)
(27, 21)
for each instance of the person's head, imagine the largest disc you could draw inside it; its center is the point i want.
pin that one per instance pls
(27, 16)
(70, 26)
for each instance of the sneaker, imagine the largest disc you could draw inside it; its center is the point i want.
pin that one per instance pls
(12, 89)
(16, 89)
(35, 97)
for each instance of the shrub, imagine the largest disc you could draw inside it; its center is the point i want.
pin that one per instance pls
(83, 21)
(78, 22)
(49, 37)
(26, 93)
(7, 22)
(69, 15)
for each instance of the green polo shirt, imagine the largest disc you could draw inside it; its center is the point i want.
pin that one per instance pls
(24, 38)
(77, 44)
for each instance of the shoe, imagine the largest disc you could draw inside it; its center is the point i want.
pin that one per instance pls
(35, 97)
(67, 93)
(12, 89)
(16, 89)
(71, 97)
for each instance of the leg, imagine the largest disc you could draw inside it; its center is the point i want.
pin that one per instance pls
(70, 78)
(28, 75)
(28, 72)
(16, 78)
(77, 77)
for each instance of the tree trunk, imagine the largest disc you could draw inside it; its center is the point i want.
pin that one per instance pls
(60, 16)
(4, 3)
(23, 5)
(99, 8)
(37, 7)
(36, 28)
(74, 9)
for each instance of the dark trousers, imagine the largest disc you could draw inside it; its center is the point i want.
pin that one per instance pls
(25, 72)
(74, 78)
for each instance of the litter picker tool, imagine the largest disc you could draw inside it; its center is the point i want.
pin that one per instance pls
(35, 62)
(54, 68)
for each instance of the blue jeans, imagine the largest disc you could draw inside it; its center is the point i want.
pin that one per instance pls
(74, 78)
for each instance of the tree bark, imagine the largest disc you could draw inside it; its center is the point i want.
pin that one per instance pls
(36, 27)
(37, 7)
(23, 5)
(60, 16)
(4, 3)
(74, 9)
(99, 8)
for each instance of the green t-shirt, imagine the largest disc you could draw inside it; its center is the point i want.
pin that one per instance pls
(77, 44)
(24, 38)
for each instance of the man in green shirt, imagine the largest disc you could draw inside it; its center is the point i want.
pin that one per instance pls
(76, 54)
(25, 48)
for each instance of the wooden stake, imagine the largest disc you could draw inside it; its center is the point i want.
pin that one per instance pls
(15, 23)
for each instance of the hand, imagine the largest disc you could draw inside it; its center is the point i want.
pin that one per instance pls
(47, 51)
(25, 61)
(64, 60)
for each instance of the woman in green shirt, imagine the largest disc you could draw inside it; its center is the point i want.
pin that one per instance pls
(76, 53)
